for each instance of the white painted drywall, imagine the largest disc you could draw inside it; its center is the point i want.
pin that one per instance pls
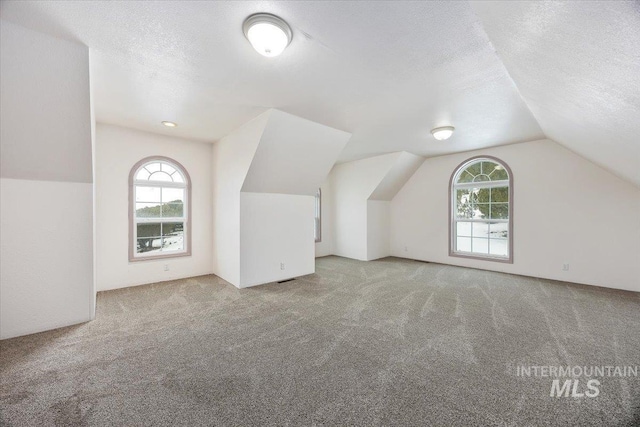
(403, 168)
(327, 233)
(264, 175)
(566, 210)
(275, 229)
(231, 159)
(45, 104)
(353, 183)
(46, 238)
(117, 151)
(378, 224)
(361, 191)
(294, 156)
(47, 260)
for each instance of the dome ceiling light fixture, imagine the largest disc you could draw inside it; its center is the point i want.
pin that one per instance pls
(442, 133)
(169, 124)
(268, 34)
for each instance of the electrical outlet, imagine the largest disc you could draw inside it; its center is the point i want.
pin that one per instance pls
(282, 266)
(166, 267)
(565, 266)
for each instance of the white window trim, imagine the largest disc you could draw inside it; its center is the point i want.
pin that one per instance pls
(133, 256)
(483, 184)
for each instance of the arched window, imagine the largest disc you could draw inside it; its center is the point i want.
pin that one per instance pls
(317, 225)
(159, 209)
(481, 214)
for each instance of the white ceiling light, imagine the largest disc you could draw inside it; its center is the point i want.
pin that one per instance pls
(442, 133)
(268, 34)
(169, 124)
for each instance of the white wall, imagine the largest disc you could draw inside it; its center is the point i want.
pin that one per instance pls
(361, 191)
(378, 224)
(47, 259)
(231, 159)
(353, 183)
(46, 183)
(327, 233)
(275, 229)
(566, 210)
(117, 151)
(265, 176)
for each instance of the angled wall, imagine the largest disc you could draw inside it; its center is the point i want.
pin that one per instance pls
(292, 161)
(362, 191)
(46, 183)
(566, 210)
(265, 176)
(231, 159)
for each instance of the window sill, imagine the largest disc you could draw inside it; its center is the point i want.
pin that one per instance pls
(481, 258)
(156, 257)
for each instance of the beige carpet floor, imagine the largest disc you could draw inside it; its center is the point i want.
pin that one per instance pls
(388, 342)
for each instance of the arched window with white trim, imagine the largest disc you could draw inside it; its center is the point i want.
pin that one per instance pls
(159, 209)
(481, 214)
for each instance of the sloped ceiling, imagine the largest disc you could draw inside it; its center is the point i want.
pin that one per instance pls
(404, 166)
(387, 72)
(577, 66)
(294, 156)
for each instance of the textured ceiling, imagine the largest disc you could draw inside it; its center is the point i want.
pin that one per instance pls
(577, 66)
(387, 72)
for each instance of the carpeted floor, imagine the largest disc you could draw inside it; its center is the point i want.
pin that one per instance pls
(388, 342)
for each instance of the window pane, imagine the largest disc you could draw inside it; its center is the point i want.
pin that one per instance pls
(173, 195)
(498, 247)
(172, 210)
(147, 194)
(499, 230)
(149, 239)
(177, 177)
(480, 229)
(480, 246)
(499, 210)
(488, 167)
(481, 177)
(173, 236)
(499, 173)
(164, 167)
(147, 210)
(481, 210)
(142, 174)
(153, 167)
(499, 194)
(463, 205)
(465, 177)
(483, 195)
(463, 244)
(463, 229)
(474, 169)
(160, 176)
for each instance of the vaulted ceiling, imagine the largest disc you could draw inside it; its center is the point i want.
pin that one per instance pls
(387, 72)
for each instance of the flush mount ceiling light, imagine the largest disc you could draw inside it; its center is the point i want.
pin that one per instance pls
(268, 34)
(442, 133)
(169, 124)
